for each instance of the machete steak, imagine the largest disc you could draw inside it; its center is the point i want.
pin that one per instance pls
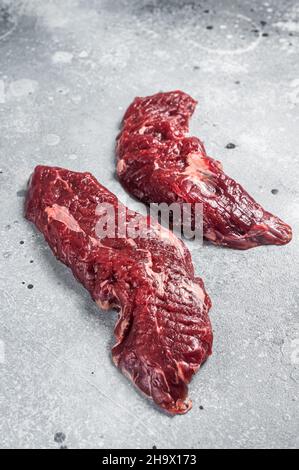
(158, 162)
(163, 333)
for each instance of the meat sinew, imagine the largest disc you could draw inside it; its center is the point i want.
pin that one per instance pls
(158, 162)
(163, 333)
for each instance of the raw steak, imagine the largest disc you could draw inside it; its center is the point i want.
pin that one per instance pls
(163, 333)
(158, 162)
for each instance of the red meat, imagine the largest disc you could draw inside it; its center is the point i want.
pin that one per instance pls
(163, 333)
(158, 162)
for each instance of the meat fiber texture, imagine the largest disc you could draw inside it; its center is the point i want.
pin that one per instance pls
(163, 333)
(159, 163)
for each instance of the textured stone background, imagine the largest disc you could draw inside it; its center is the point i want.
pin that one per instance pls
(68, 70)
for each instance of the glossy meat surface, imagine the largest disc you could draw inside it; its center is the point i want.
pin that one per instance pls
(158, 162)
(163, 333)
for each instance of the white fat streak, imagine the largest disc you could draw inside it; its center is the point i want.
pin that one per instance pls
(195, 170)
(105, 304)
(195, 164)
(158, 278)
(181, 364)
(121, 167)
(187, 286)
(142, 130)
(62, 214)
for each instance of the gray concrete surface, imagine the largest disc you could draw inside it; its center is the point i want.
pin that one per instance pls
(68, 70)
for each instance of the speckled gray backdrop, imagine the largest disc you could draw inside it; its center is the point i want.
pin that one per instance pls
(68, 70)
